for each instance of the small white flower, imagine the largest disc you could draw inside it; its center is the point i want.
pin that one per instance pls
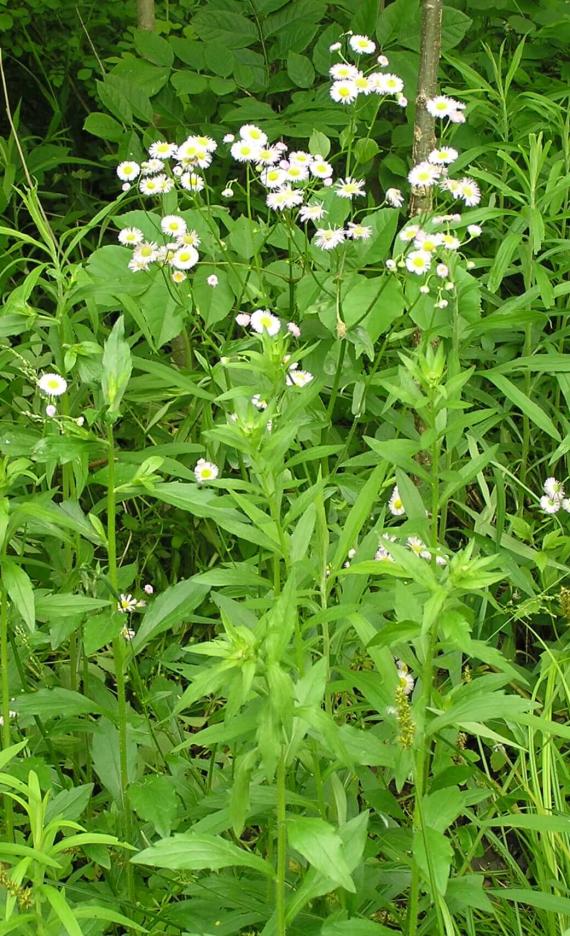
(396, 504)
(418, 261)
(178, 276)
(344, 92)
(297, 172)
(349, 188)
(442, 270)
(311, 213)
(162, 150)
(423, 175)
(245, 151)
(212, 280)
(243, 319)
(401, 100)
(136, 265)
(442, 106)
(298, 378)
(386, 83)
(185, 258)
(258, 402)
(391, 265)
(174, 225)
(300, 158)
(147, 252)
(442, 304)
(550, 505)
(51, 410)
(394, 197)
(283, 198)
(154, 185)
(126, 187)
(382, 555)
(152, 166)
(320, 168)
(293, 329)
(126, 604)
(406, 680)
(342, 71)
(262, 320)
(335, 47)
(192, 182)
(469, 192)
(228, 138)
(128, 170)
(360, 44)
(424, 289)
(409, 233)
(329, 238)
(429, 242)
(474, 230)
(358, 231)
(450, 242)
(52, 384)
(554, 488)
(148, 589)
(205, 471)
(130, 237)
(273, 177)
(227, 192)
(566, 504)
(253, 134)
(443, 156)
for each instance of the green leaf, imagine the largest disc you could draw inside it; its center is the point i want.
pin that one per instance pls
(54, 703)
(531, 409)
(154, 800)
(321, 846)
(62, 909)
(153, 47)
(117, 367)
(194, 852)
(104, 127)
(300, 70)
(319, 144)
(433, 854)
(365, 150)
(355, 926)
(106, 757)
(168, 609)
(213, 303)
(20, 590)
(69, 804)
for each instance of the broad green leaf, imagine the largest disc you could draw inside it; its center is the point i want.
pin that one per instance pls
(319, 843)
(194, 852)
(433, 854)
(20, 590)
(106, 759)
(300, 70)
(168, 609)
(54, 703)
(117, 367)
(154, 800)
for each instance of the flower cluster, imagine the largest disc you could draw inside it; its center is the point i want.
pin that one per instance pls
(168, 162)
(349, 81)
(263, 322)
(431, 252)
(178, 252)
(554, 498)
(413, 543)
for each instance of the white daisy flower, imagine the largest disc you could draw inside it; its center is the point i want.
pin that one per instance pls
(147, 252)
(382, 61)
(128, 170)
(137, 266)
(423, 175)
(418, 261)
(362, 44)
(394, 197)
(148, 589)
(450, 242)
(554, 488)
(205, 471)
(328, 238)
(152, 166)
(130, 237)
(153, 185)
(300, 158)
(429, 242)
(253, 134)
(189, 239)
(178, 276)
(243, 319)
(262, 320)
(550, 505)
(358, 231)
(343, 71)
(283, 198)
(350, 188)
(469, 192)
(386, 83)
(126, 604)
(297, 172)
(212, 280)
(409, 233)
(174, 225)
(229, 138)
(405, 678)
(185, 258)
(443, 106)
(443, 156)
(273, 177)
(298, 378)
(293, 329)
(192, 182)
(245, 151)
(162, 150)
(362, 83)
(474, 230)
(320, 168)
(396, 504)
(344, 92)
(382, 555)
(442, 270)
(311, 213)
(52, 384)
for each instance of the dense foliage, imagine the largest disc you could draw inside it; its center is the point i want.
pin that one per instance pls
(284, 537)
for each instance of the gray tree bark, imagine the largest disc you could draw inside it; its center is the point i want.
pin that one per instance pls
(424, 127)
(145, 14)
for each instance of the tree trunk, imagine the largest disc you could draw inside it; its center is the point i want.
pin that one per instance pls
(145, 14)
(424, 127)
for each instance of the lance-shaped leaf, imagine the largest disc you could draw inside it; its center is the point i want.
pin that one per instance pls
(117, 367)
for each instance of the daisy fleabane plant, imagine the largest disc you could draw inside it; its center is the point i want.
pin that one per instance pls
(554, 497)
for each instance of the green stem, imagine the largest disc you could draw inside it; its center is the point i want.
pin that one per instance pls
(118, 648)
(281, 847)
(4, 662)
